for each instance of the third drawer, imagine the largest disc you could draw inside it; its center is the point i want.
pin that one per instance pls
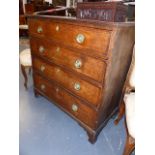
(76, 85)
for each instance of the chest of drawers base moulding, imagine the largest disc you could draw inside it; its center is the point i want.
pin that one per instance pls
(112, 42)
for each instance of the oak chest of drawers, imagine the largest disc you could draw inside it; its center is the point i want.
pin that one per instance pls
(81, 66)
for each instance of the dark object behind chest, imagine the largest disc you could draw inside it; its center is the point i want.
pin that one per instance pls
(104, 11)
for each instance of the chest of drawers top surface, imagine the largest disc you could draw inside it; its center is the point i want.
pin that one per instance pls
(81, 66)
(83, 35)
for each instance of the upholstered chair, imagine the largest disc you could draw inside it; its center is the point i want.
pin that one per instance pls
(25, 62)
(23, 27)
(127, 107)
(129, 101)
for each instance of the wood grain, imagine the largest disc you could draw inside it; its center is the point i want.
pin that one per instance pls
(96, 41)
(87, 90)
(65, 100)
(105, 55)
(91, 67)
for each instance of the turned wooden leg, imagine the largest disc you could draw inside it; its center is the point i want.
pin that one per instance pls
(121, 113)
(92, 137)
(129, 146)
(25, 76)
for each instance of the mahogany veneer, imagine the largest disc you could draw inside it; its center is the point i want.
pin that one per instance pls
(67, 58)
(81, 66)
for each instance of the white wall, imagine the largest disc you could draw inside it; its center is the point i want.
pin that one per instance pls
(50, 1)
(68, 3)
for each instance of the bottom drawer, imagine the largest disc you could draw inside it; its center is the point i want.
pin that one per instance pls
(69, 103)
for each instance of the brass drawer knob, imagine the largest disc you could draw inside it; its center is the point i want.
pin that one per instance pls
(57, 90)
(42, 68)
(57, 70)
(39, 29)
(58, 49)
(77, 86)
(57, 28)
(80, 38)
(42, 87)
(41, 49)
(78, 63)
(74, 107)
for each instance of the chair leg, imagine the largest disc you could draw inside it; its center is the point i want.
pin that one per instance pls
(120, 113)
(29, 70)
(129, 146)
(25, 76)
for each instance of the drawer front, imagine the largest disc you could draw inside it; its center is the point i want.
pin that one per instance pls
(37, 27)
(71, 104)
(84, 39)
(79, 87)
(88, 66)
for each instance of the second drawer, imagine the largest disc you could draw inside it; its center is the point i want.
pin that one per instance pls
(86, 65)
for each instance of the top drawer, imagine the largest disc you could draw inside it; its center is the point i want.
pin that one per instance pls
(85, 39)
